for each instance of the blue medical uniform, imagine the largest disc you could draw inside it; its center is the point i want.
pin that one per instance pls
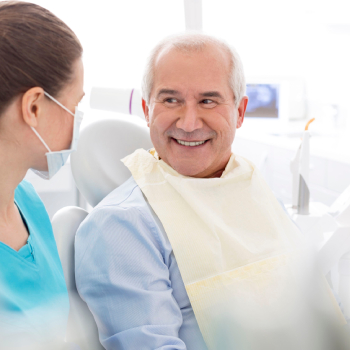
(34, 301)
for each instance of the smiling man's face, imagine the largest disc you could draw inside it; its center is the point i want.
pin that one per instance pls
(192, 114)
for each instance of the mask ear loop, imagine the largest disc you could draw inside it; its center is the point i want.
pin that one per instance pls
(41, 139)
(60, 104)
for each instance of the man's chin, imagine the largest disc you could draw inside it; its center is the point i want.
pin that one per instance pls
(187, 169)
(188, 166)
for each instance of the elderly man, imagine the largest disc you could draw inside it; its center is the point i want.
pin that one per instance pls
(193, 251)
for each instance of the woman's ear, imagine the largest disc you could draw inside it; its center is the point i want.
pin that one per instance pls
(32, 104)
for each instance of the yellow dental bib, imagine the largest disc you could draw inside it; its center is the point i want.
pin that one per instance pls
(238, 254)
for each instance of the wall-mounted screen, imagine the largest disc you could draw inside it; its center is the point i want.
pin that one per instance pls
(263, 100)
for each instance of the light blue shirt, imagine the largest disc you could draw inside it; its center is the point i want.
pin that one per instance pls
(127, 274)
(34, 302)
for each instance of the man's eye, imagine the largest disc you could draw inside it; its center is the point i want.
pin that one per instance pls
(170, 100)
(208, 103)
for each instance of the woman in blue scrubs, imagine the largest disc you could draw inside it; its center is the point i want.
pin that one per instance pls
(41, 83)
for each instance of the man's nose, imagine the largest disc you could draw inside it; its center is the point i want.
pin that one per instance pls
(190, 118)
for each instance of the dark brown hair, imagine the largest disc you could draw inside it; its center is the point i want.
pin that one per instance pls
(36, 49)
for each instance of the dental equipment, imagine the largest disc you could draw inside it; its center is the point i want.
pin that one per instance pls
(126, 101)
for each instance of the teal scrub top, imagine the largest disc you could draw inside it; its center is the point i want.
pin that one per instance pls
(34, 301)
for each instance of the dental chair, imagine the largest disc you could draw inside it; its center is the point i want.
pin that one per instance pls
(97, 170)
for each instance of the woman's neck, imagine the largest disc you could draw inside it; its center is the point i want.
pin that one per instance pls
(12, 172)
(13, 232)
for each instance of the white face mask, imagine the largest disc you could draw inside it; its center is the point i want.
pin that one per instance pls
(55, 160)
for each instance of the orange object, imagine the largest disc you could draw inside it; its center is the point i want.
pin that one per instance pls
(308, 123)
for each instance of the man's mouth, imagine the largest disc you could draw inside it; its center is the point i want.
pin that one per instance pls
(190, 143)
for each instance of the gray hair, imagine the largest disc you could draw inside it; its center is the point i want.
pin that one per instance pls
(192, 42)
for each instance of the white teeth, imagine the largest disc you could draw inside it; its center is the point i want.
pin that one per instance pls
(185, 143)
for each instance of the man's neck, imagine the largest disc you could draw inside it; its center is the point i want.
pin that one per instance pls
(216, 174)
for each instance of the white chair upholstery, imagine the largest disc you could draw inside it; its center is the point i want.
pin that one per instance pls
(81, 328)
(97, 171)
(96, 164)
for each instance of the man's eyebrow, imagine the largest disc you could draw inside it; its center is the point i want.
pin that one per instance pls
(211, 94)
(167, 92)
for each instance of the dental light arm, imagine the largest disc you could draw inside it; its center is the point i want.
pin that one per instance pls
(126, 101)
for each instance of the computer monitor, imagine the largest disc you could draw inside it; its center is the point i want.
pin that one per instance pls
(264, 101)
(275, 101)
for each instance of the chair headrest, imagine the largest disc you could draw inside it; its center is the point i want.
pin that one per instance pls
(96, 165)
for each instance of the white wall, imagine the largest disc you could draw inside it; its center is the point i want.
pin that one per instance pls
(117, 37)
(303, 39)
(307, 39)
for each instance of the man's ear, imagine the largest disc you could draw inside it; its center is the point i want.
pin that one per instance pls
(32, 104)
(145, 111)
(241, 111)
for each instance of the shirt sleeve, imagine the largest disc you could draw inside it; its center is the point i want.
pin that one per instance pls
(122, 276)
